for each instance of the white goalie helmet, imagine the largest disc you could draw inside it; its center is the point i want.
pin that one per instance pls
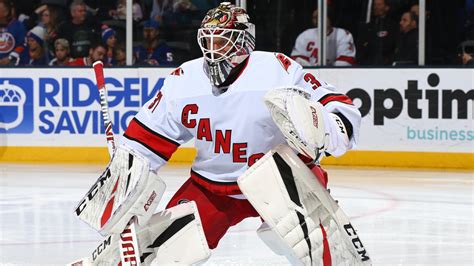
(226, 38)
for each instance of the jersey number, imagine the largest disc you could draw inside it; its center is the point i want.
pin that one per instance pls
(308, 77)
(155, 102)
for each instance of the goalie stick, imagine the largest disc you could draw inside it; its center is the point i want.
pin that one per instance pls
(104, 106)
(128, 239)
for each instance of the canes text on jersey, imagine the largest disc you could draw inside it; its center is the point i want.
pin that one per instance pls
(221, 139)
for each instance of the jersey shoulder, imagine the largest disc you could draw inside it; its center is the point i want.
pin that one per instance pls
(270, 58)
(308, 34)
(184, 80)
(342, 33)
(16, 25)
(187, 71)
(273, 64)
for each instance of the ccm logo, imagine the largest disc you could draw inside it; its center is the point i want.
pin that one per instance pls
(101, 248)
(356, 242)
(150, 201)
(93, 191)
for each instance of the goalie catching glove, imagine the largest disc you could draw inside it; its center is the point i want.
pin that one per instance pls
(299, 119)
(306, 125)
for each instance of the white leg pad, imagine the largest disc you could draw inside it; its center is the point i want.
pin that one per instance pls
(272, 240)
(172, 237)
(294, 204)
(275, 243)
(178, 236)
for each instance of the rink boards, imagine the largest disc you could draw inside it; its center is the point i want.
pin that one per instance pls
(411, 117)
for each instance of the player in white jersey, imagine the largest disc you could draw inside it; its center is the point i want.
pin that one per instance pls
(219, 101)
(340, 49)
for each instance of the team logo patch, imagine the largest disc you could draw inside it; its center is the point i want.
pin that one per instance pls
(16, 105)
(177, 72)
(7, 42)
(217, 17)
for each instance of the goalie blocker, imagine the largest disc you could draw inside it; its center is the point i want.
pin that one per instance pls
(125, 196)
(127, 189)
(303, 222)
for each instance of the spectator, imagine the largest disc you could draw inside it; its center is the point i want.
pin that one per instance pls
(49, 19)
(80, 32)
(97, 52)
(467, 53)
(12, 35)
(415, 8)
(176, 14)
(467, 59)
(406, 52)
(101, 8)
(120, 56)
(35, 53)
(340, 45)
(121, 11)
(154, 51)
(24, 11)
(160, 8)
(181, 14)
(110, 41)
(62, 53)
(377, 39)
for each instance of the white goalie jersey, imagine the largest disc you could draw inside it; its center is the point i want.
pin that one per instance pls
(340, 49)
(234, 129)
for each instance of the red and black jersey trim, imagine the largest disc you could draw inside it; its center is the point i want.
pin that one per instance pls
(335, 97)
(218, 188)
(155, 142)
(349, 59)
(294, 57)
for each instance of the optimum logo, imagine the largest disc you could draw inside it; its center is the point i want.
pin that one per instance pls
(16, 105)
(440, 103)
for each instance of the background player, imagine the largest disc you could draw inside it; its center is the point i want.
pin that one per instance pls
(340, 49)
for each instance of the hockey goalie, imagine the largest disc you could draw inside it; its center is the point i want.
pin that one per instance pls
(261, 125)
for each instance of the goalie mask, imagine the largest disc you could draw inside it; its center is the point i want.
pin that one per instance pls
(226, 38)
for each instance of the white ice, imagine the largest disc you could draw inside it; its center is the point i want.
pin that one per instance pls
(403, 217)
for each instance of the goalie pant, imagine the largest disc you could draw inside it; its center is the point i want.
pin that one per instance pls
(220, 212)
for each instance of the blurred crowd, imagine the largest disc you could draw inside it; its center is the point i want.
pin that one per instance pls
(79, 32)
